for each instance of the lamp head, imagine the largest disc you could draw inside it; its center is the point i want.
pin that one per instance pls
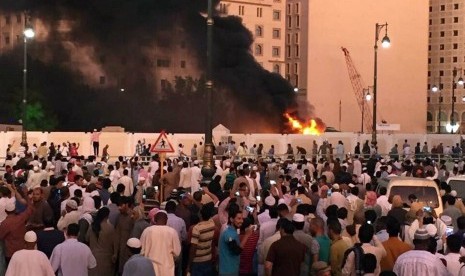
(29, 32)
(386, 42)
(368, 97)
(296, 89)
(460, 81)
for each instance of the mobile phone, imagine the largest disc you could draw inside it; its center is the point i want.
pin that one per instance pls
(156, 188)
(248, 208)
(200, 189)
(259, 198)
(272, 182)
(449, 230)
(329, 192)
(255, 227)
(65, 183)
(144, 197)
(427, 209)
(237, 194)
(369, 222)
(299, 200)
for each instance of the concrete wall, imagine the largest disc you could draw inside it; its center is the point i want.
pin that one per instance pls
(124, 143)
(402, 68)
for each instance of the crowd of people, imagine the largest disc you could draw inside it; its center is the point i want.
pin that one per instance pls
(67, 214)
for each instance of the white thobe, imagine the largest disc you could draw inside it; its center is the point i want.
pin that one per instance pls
(383, 202)
(160, 244)
(419, 262)
(196, 176)
(29, 262)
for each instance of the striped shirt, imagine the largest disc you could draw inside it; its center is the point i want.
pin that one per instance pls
(202, 236)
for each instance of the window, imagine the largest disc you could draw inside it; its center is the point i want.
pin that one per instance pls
(428, 99)
(441, 73)
(454, 59)
(430, 9)
(296, 51)
(259, 12)
(223, 8)
(296, 68)
(441, 60)
(258, 49)
(441, 47)
(296, 8)
(443, 7)
(456, 20)
(18, 38)
(275, 51)
(429, 73)
(288, 10)
(455, 46)
(456, 6)
(276, 15)
(241, 10)
(297, 21)
(456, 32)
(430, 34)
(164, 84)
(183, 64)
(288, 38)
(258, 31)
(429, 60)
(276, 33)
(276, 69)
(7, 39)
(288, 68)
(296, 38)
(102, 79)
(288, 51)
(431, 22)
(296, 77)
(8, 20)
(443, 21)
(163, 63)
(442, 34)
(19, 18)
(289, 22)
(429, 47)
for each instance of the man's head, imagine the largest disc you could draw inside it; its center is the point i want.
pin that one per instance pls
(161, 218)
(235, 218)
(365, 233)
(392, 226)
(134, 246)
(37, 194)
(421, 239)
(370, 263)
(298, 220)
(317, 226)
(30, 239)
(334, 229)
(287, 228)
(72, 231)
(170, 207)
(454, 243)
(123, 204)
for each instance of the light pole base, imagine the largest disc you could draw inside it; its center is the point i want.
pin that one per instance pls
(208, 168)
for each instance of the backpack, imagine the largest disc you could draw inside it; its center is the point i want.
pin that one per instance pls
(358, 258)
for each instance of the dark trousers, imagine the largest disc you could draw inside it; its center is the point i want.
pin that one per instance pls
(202, 269)
(96, 148)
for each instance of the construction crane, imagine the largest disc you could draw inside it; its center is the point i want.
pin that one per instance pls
(359, 87)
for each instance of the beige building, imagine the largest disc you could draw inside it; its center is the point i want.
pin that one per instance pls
(266, 21)
(446, 52)
(11, 30)
(402, 68)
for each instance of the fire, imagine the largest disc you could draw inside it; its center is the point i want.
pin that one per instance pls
(308, 128)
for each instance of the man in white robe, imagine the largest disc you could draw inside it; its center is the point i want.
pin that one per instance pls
(29, 261)
(160, 244)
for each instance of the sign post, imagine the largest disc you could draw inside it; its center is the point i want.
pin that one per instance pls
(162, 146)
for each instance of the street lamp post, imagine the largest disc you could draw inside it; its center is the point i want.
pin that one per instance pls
(28, 33)
(208, 168)
(365, 97)
(385, 43)
(437, 89)
(453, 127)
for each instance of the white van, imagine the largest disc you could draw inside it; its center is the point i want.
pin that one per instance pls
(457, 183)
(426, 191)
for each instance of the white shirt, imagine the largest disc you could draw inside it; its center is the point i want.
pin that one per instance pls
(29, 262)
(72, 258)
(67, 219)
(357, 167)
(419, 262)
(127, 182)
(154, 167)
(267, 229)
(114, 177)
(196, 176)
(338, 199)
(383, 201)
(185, 178)
(453, 263)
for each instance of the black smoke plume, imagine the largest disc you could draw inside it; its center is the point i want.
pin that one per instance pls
(247, 98)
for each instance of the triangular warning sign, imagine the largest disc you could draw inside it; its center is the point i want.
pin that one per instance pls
(162, 144)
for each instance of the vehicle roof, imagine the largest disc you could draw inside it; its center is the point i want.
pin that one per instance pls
(412, 181)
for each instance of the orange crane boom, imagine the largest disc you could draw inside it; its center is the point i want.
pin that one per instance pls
(358, 87)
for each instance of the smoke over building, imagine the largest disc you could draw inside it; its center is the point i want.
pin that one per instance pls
(97, 63)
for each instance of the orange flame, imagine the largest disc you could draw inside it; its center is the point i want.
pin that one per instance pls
(309, 128)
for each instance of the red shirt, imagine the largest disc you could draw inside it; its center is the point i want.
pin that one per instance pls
(12, 231)
(246, 264)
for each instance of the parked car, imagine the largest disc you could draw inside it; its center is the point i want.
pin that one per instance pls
(457, 183)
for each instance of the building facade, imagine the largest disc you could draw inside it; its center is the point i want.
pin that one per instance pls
(11, 30)
(265, 19)
(446, 50)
